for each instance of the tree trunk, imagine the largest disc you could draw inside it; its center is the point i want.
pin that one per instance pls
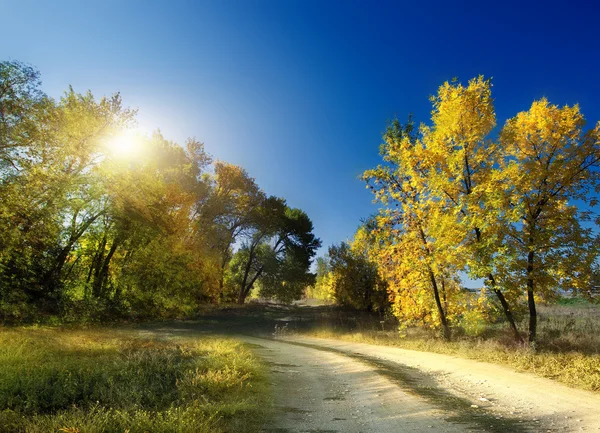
(501, 298)
(246, 289)
(438, 303)
(224, 263)
(444, 297)
(51, 279)
(531, 299)
(368, 301)
(95, 265)
(243, 292)
(436, 292)
(102, 275)
(508, 314)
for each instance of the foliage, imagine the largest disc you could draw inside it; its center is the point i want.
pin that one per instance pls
(504, 209)
(277, 254)
(89, 230)
(551, 162)
(355, 280)
(322, 289)
(115, 381)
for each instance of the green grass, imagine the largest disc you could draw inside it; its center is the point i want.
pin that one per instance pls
(568, 348)
(60, 380)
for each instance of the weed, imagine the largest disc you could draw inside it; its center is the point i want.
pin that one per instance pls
(80, 381)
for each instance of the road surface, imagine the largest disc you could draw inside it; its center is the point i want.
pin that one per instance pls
(326, 385)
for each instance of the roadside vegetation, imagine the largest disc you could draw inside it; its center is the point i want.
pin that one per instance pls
(567, 349)
(105, 380)
(99, 221)
(515, 210)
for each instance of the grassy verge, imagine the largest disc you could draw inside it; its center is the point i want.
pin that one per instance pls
(76, 381)
(568, 350)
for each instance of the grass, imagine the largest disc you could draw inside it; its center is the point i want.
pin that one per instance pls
(103, 380)
(568, 348)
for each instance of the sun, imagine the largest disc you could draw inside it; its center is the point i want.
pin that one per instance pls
(126, 145)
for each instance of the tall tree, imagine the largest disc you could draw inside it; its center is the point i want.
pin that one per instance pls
(229, 211)
(463, 161)
(412, 225)
(551, 163)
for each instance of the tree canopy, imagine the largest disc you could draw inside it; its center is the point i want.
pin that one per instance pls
(513, 209)
(97, 220)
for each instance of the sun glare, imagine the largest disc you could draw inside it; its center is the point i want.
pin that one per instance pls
(126, 145)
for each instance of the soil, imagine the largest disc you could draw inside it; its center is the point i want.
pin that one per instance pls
(327, 385)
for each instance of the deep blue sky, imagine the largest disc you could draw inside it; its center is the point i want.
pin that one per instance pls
(298, 92)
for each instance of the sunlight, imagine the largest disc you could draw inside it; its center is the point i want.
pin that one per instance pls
(126, 145)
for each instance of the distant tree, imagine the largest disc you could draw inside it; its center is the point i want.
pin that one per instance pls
(278, 252)
(355, 278)
(322, 288)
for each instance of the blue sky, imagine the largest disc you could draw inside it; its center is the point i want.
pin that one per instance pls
(299, 92)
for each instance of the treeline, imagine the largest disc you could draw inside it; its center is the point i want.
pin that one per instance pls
(95, 222)
(513, 208)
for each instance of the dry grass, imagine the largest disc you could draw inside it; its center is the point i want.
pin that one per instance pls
(568, 348)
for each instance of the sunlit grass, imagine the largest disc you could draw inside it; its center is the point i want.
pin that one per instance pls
(114, 381)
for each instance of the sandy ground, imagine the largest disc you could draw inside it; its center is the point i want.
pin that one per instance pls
(327, 385)
(523, 401)
(319, 391)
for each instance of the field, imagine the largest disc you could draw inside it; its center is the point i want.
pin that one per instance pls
(115, 380)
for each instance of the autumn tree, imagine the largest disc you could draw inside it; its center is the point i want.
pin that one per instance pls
(89, 231)
(551, 164)
(410, 228)
(503, 209)
(228, 212)
(355, 280)
(52, 192)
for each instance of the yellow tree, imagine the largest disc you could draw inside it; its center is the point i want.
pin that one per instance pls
(550, 162)
(411, 256)
(463, 165)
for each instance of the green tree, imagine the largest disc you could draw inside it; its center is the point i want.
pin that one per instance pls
(228, 212)
(278, 252)
(355, 279)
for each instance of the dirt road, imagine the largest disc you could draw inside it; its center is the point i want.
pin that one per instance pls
(318, 391)
(327, 385)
